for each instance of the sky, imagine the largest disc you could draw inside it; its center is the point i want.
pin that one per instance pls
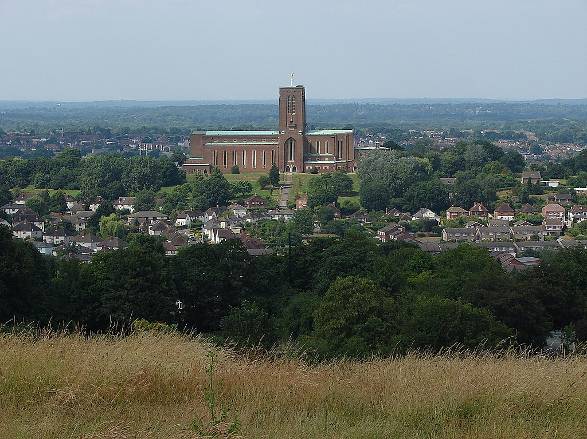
(79, 50)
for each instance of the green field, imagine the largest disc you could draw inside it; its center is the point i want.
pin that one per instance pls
(33, 190)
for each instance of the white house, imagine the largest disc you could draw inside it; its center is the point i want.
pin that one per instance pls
(577, 213)
(125, 203)
(425, 214)
(27, 230)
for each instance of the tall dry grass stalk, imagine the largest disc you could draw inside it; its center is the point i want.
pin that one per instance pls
(153, 386)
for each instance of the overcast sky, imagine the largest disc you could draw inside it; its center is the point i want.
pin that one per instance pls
(245, 49)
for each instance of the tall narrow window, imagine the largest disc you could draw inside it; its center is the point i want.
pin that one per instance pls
(264, 159)
(234, 156)
(254, 158)
(318, 146)
(215, 155)
(291, 149)
(225, 158)
(326, 148)
(272, 157)
(244, 158)
(291, 104)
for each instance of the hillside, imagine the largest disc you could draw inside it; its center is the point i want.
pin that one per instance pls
(154, 386)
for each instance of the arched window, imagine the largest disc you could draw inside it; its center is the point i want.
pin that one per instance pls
(290, 147)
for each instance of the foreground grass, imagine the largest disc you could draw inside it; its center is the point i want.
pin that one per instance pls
(152, 386)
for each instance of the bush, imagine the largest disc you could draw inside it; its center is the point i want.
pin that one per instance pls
(235, 170)
(264, 181)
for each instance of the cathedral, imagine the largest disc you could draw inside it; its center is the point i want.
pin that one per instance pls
(291, 147)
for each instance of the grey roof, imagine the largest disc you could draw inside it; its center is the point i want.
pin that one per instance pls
(147, 214)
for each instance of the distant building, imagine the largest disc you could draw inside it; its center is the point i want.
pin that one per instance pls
(292, 147)
(532, 177)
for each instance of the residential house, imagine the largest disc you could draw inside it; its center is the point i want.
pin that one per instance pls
(182, 219)
(454, 212)
(553, 211)
(553, 226)
(111, 244)
(510, 262)
(11, 208)
(232, 223)
(157, 228)
(504, 212)
(125, 203)
(22, 198)
(95, 203)
(281, 214)
(30, 216)
(498, 246)
(44, 248)
(528, 209)
(254, 246)
(393, 213)
(527, 233)
(533, 177)
(478, 210)
(499, 233)
(523, 246)
(361, 217)
(578, 213)
(390, 232)
(58, 236)
(238, 210)
(562, 198)
(77, 207)
(146, 217)
(425, 214)
(212, 213)
(170, 249)
(27, 230)
(220, 235)
(69, 201)
(459, 234)
(566, 242)
(80, 219)
(89, 241)
(208, 229)
(255, 202)
(498, 223)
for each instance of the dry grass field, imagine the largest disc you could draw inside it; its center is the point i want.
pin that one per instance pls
(160, 386)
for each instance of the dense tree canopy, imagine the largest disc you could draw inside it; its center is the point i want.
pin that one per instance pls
(344, 296)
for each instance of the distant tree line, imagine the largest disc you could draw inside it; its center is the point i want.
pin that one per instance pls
(109, 176)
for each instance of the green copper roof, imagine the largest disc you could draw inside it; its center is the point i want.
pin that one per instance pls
(328, 132)
(242, 133)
